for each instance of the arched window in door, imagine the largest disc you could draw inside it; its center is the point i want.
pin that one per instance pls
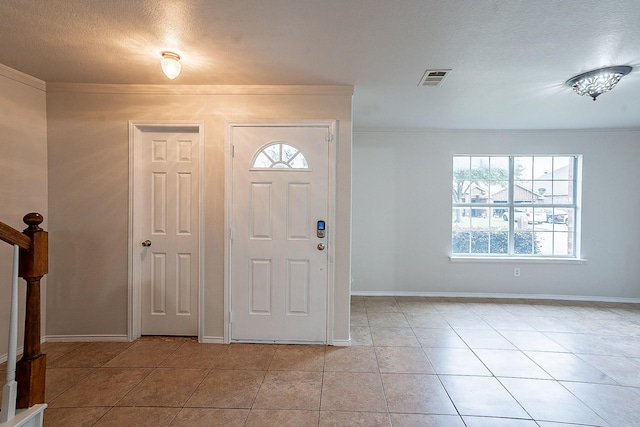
(279, 155)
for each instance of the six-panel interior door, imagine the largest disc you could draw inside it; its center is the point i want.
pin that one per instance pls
(169, 166)
(278, 263)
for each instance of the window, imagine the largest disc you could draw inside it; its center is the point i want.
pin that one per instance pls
(515, 206)
(279, 156)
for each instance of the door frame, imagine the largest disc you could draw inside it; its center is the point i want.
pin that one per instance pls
(134, 322)
(331, 126)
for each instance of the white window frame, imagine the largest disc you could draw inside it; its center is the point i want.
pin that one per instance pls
(575, 205)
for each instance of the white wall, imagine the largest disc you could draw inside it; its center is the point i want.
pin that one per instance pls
(402, 215)
(23, 174)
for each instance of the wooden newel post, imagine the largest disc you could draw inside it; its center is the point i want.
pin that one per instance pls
(31, 369)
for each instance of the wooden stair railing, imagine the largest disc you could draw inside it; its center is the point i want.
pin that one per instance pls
(34, 260)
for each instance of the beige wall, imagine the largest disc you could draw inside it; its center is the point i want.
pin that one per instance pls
(23, 173)
(88, 191)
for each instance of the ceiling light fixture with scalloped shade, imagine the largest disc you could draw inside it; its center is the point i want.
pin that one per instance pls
(596, 82)
(171, 64)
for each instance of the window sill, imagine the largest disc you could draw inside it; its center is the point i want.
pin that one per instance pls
(519, 260)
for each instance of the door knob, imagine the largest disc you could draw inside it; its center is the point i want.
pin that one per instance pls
(321, 246)
(146, 243)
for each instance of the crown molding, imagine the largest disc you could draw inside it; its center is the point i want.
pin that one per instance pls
(337, 90)
(434, 131)
(21, 77)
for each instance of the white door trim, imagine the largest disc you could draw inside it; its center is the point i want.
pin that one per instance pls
(331, 126)
(134, 324)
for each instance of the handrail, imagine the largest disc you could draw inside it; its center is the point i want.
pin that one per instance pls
(33, 264)
(14, 237)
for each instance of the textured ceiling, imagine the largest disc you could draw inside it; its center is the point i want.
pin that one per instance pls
(509, 58)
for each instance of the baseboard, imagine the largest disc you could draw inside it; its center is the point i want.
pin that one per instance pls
(220, 340)
(212, 340)
(496, 296)
(19, 350)
(5, 357)
(86, 338)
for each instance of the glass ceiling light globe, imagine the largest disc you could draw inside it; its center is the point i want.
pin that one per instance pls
(596, 82)
(171, 64)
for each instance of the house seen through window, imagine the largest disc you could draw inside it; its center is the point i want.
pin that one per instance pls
(507, 206)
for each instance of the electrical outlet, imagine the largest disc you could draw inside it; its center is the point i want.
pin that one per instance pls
(516, 272)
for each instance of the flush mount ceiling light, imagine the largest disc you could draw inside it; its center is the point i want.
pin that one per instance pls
(596, 82)
(171, 64)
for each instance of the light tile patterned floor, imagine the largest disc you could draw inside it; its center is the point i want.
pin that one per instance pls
(415, 361)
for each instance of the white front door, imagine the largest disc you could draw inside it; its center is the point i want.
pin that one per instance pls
(166, 231)
(279, 263)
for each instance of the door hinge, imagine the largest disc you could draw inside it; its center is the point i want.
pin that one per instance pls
(329, 137)
(231, 234)
(233, 151)
(231, 317)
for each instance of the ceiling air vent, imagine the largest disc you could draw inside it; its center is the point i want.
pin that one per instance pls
(433, 77)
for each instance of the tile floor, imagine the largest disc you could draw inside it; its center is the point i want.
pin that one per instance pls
(414, 362)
